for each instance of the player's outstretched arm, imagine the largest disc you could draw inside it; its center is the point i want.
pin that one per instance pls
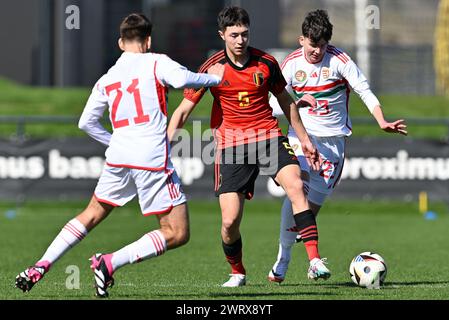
(179, 117)
(292, 114)
(171, 73)
(398, 126)
(217, 69)
(186, 106)
(359, 83)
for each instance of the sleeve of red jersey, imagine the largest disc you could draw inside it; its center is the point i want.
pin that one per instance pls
(194, 95)
(277, 80)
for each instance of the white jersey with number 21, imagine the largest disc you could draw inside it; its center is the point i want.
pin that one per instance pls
(135, 91)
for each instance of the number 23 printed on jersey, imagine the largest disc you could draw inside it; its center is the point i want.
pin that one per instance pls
(321, 109)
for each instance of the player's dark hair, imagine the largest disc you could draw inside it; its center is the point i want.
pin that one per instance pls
(232, 16)
(135, 26)
(316, 26)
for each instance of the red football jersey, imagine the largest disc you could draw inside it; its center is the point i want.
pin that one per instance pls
(241, 112)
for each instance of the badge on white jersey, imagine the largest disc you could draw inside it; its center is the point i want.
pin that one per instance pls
(301, 75)
(325, 72)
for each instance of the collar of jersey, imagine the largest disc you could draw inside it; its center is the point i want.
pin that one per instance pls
(235, 66)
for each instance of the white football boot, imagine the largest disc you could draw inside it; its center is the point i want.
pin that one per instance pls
(317, 269)
(236, 280)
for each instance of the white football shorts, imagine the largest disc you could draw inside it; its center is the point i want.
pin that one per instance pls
(322, 182)
(158, 191)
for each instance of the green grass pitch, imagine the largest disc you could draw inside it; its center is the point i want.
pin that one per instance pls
(415, 250)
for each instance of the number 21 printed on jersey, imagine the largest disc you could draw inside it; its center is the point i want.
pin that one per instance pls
(134, 90)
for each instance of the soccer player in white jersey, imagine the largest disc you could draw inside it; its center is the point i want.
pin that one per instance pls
(318, 75)
(137, 158)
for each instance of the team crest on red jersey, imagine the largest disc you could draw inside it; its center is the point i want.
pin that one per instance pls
(258, 78)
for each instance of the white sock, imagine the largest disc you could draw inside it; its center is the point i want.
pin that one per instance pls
(288, 225)
(150, 245)
(287, 234)
(72, 233)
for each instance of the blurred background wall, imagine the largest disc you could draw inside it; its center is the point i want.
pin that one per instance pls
(38, 48)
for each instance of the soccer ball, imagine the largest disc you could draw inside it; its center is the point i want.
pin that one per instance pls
(368, 270)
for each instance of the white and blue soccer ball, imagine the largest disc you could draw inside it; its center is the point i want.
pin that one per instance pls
(368, 270)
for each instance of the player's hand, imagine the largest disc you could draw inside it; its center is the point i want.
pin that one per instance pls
(312, 155)
(217, 69)
(307, 100)
(398, 126)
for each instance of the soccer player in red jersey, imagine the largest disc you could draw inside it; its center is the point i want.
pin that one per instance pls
(249, 139)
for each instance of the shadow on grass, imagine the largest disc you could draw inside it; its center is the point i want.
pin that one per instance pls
(239, 293)
(416, 283)
(270, 294)
(388, 284)
(249, 295)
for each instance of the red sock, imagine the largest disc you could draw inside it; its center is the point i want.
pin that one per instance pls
(312, 249)
(236, 263)
(306, 224)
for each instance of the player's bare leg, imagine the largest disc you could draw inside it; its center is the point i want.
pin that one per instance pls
(289, 178)
(175, 226)
(231, 205)
(94, 213)
(173, 232)
(71, 234)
